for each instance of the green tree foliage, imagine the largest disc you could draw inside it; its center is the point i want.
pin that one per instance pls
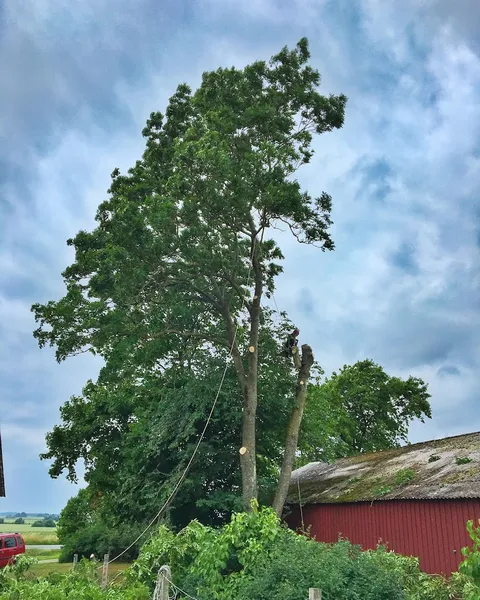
(100, 538)
(44, 523)
(17, 583)
(20, 521)
(76, 515)
(132, 473)
(183, 238)
(136, 439)
(88, 525)
(470, 566)
(361, 409)
(254, 557)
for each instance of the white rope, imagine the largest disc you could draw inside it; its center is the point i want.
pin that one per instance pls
(185, 472)
(179, 590)
(300, 504)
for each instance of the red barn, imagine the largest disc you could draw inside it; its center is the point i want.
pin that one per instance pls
(415, 499)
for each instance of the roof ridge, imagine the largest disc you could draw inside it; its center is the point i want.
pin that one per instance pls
(450, 437)
(406, 446)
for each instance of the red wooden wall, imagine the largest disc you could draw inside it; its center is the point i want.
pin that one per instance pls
(433, 530)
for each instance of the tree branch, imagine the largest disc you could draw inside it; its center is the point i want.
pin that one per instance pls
(238, 289)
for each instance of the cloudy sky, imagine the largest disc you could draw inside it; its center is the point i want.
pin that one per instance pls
(78, 80)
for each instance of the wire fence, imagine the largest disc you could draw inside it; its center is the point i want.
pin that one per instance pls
(165, 589)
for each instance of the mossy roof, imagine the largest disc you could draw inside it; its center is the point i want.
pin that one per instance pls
(438, 469)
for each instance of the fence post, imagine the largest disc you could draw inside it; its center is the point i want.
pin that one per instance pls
(75, 561)
(163, 583)
(314, 594)
(105, 571)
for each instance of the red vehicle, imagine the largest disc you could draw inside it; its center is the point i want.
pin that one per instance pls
(11, 545)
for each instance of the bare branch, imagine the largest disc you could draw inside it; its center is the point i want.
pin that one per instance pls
(296, 235)
(241, 293)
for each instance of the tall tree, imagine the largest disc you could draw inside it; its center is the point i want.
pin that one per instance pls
(361, 409)
(183, 238)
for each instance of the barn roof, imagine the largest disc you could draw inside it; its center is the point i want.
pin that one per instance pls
(446, 468)
(2, 479)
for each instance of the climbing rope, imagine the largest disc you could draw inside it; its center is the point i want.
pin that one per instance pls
(202, 435)
(178, 590)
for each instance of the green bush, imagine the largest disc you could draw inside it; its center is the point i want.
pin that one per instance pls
(44, 523)
(2, 521)
(470, 566)
(100, 539)
(417, 584)
(49, 523)
(20, 521)
(81, 584)
(341, 571)
(253, 557)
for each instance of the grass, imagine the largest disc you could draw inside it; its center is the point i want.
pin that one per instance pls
(40, 538)
(31, 535)
(43, 570)
(40, 554)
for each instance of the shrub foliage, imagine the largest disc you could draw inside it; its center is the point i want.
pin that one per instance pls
(255, 557)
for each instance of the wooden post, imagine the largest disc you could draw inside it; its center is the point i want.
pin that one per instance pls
(314, 594)
(75, 561)
(105, 571)
(163, 584)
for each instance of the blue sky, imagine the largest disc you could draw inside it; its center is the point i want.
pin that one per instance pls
(403, 287)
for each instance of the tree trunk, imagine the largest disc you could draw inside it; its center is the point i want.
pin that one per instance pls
(293, 430)
(248, 385)
(248, 460)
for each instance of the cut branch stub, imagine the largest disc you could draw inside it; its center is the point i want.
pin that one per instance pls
(307, 357)
(251, 349)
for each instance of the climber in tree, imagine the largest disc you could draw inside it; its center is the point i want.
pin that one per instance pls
(290, 348)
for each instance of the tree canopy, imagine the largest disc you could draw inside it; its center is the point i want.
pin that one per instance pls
(176, 269)
(137, 437)
(361, 409)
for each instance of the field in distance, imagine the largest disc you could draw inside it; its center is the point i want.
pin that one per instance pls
(31, 535)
